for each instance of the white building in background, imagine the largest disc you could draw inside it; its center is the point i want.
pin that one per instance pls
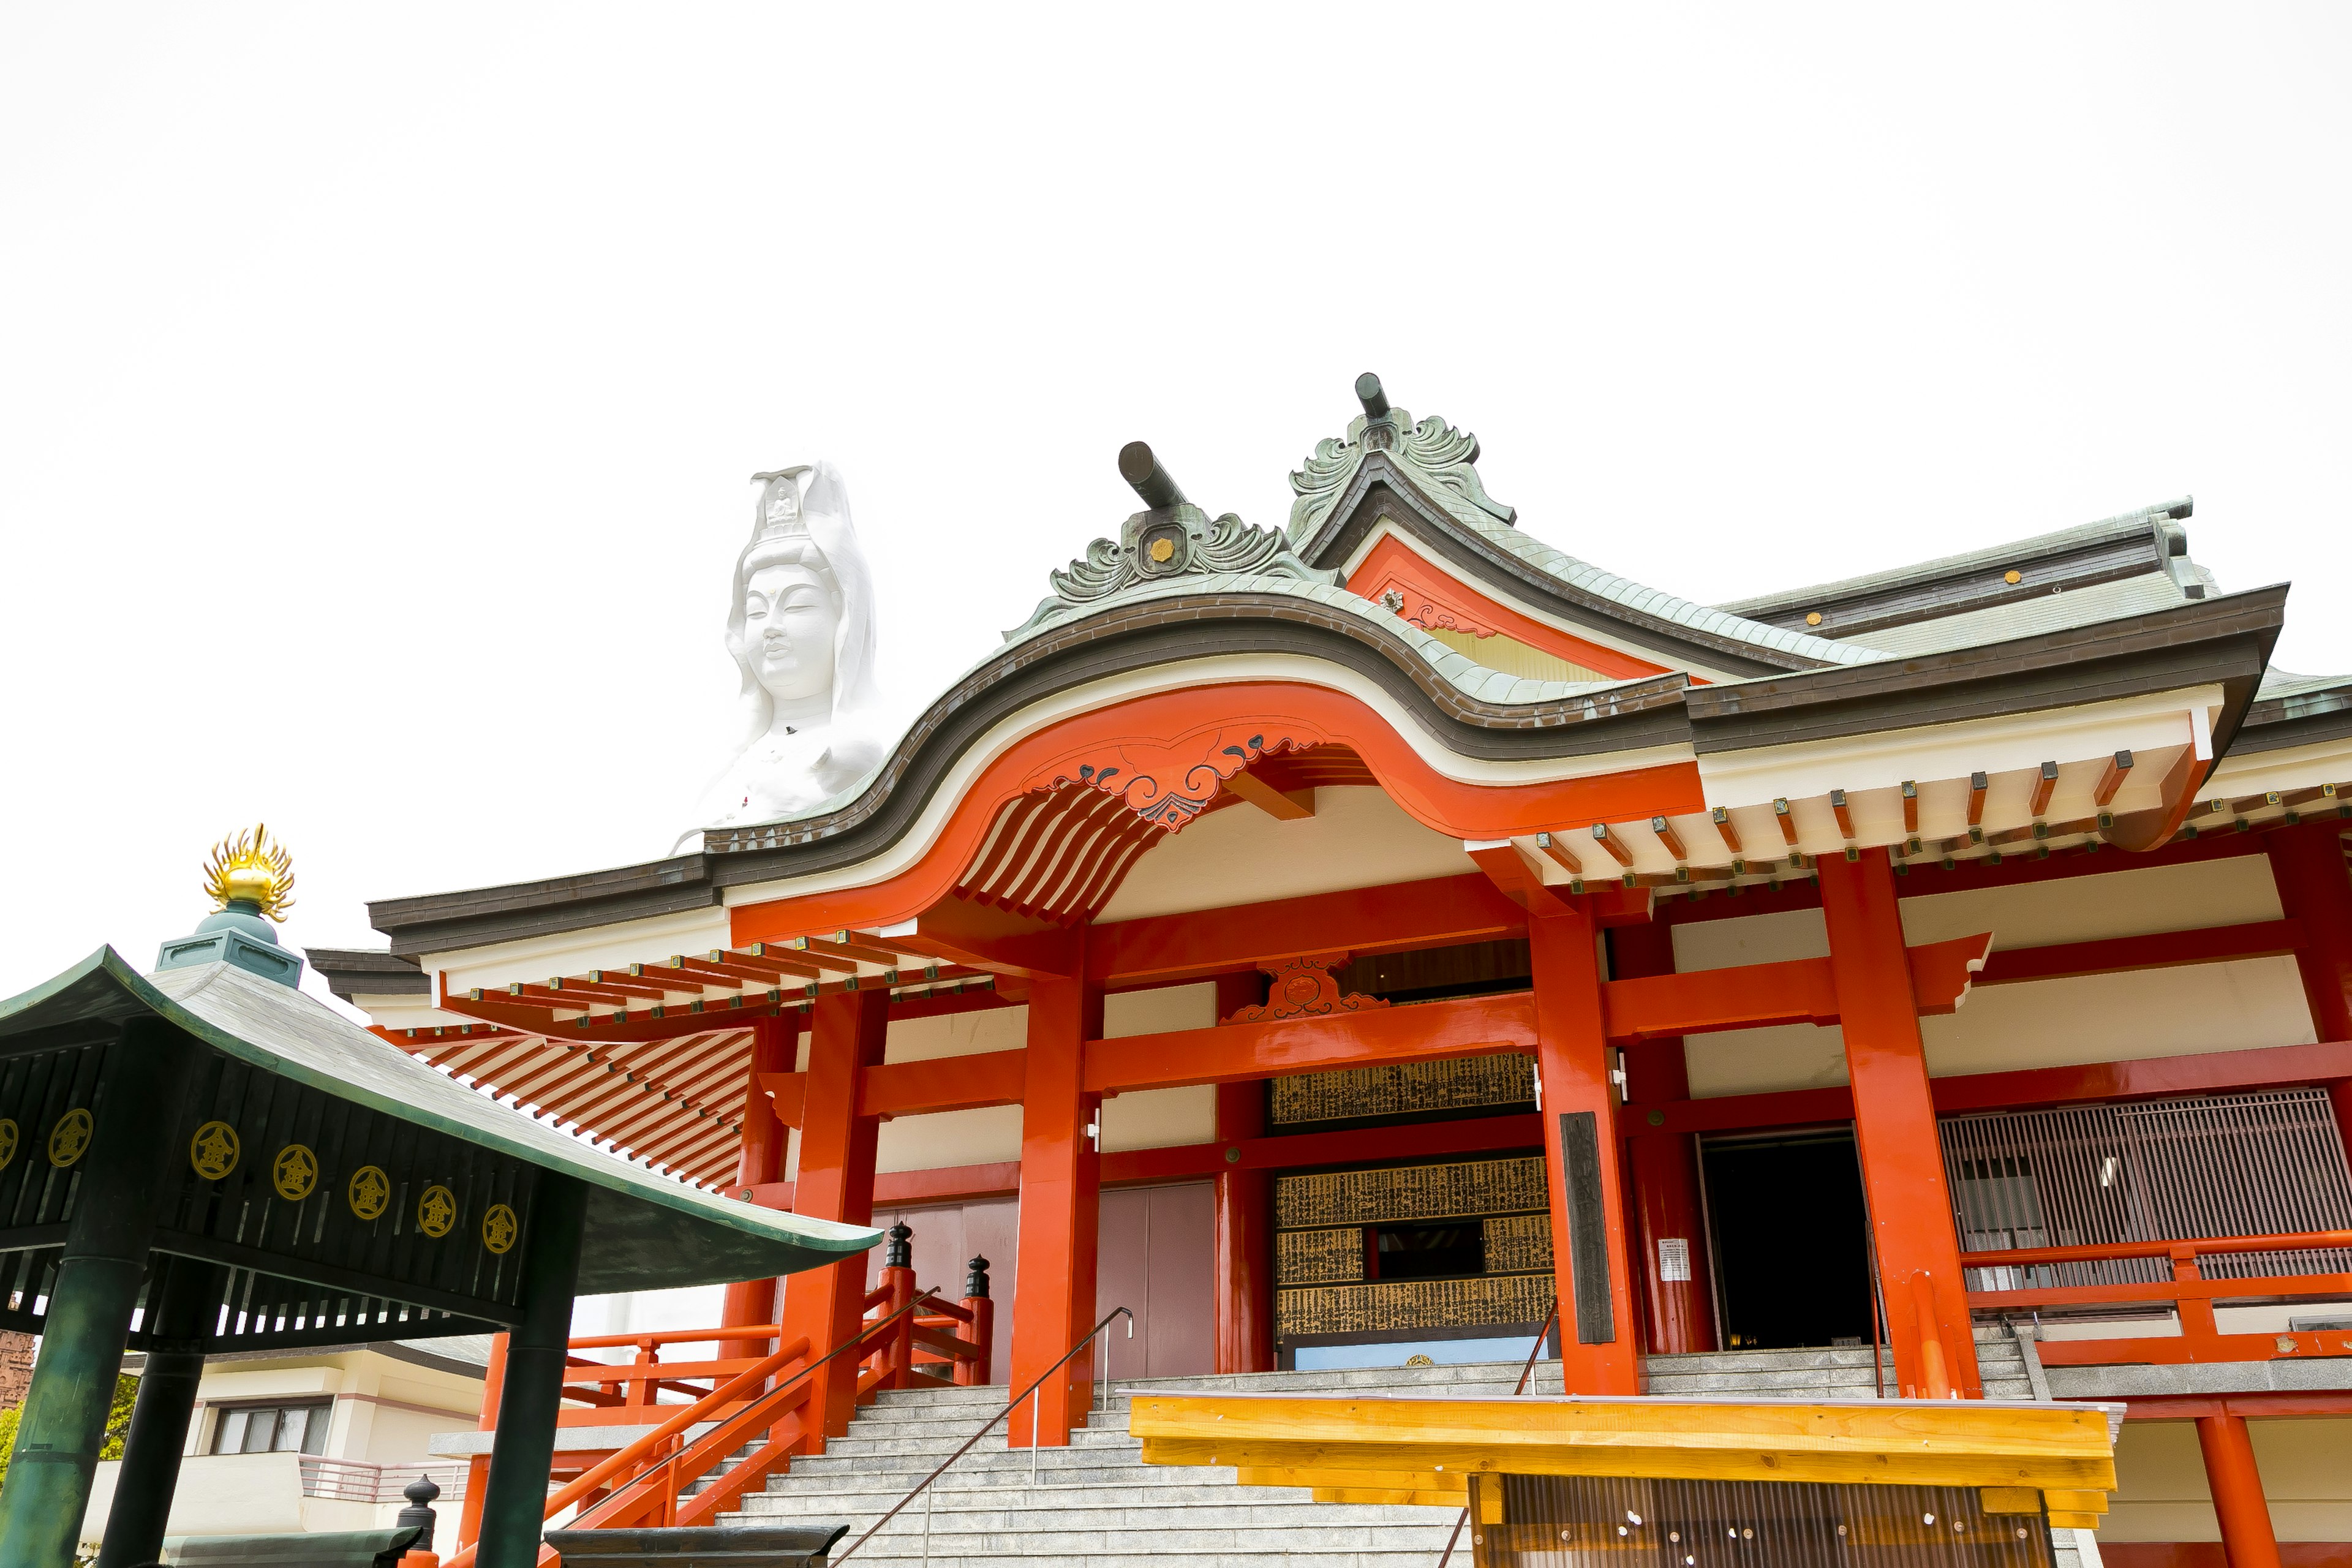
(288, 1441)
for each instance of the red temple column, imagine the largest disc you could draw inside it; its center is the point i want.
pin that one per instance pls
(1061, 1201)
(2307, 864)
(1669, 1224)
(1586, 1185)
(775, 1042)
(2247, 1539)
(1244, 1212)
(1895, 1128)
(835, 1182)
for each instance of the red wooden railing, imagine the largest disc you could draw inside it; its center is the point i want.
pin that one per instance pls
(907, 1335)
(2189, 1292)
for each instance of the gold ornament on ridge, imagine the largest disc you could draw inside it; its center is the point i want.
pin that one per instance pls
(250, 868)
(8, 1142)
(499, 1228)
(368, 1190)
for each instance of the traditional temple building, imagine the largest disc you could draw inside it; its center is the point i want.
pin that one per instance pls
(1382, 936)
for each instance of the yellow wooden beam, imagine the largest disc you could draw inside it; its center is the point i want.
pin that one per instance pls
(2075, 1520)
(2076, 1501)
(1396, 1480)
(1940, 1470)
(2011, 1500)
(1955, 1428)
(1384, 1496)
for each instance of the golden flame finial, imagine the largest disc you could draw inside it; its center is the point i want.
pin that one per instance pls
(249, 869)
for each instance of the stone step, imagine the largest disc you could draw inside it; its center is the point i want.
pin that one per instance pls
(1075, 1508)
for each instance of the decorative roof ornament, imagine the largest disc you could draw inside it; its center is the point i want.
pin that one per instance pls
(250, 870)
(1443, 459)
(249, 880)
(1171, 537)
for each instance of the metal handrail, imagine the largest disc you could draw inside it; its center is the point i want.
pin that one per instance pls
(1014, 1405)
(1526, 1372)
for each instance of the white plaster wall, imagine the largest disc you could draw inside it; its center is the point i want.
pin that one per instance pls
(229, 1494)
(2247, 1004)
(2161, 1492)
(1358, 837)
(2234, 891)
(1162, 1117)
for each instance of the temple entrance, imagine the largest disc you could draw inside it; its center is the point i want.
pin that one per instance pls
(1790, 1234)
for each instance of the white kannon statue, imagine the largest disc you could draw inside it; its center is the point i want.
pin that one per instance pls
(801, 629)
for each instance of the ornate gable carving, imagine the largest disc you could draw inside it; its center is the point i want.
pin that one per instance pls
(1178, 541)
(1444, 461)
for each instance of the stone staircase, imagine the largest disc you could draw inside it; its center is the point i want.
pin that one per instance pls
(1097, 1503)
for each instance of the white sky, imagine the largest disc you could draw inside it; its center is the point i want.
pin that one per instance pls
(379, 387)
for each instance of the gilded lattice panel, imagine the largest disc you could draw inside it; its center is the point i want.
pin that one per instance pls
(1414, 1304)
(1409, 1192)
(1464, 1083)
(1319, 1256)
(1516, 1244)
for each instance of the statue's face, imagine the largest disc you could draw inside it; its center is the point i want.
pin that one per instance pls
(789, 625)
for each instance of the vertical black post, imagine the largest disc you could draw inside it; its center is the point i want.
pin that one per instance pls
(514, 1502)
(134, 1138)
(178, 1326)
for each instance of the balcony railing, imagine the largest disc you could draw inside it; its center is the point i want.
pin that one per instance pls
(2190, 1293)
(355, 1480)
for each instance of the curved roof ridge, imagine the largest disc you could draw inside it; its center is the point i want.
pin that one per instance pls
(2121, 524)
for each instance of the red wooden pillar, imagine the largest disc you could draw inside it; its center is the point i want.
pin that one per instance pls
(477, 1469)
(1598, 1354)
(2307, 864)
(835, 1182)
(1895, 1121)
(1244, 1212)
(1061, 1200)
(775, 1043)
(2246, 1536)
(1664, 1167)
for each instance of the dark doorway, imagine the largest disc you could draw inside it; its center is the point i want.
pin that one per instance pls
(1792, 1240)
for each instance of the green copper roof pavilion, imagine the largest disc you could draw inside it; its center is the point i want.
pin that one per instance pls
(205, 1159)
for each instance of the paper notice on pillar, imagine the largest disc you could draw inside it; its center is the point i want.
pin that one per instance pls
(1674, 1257)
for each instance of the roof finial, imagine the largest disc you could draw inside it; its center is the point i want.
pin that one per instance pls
(1369, 393)
(1139, 468)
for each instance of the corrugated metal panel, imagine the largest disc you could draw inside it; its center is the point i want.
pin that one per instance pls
(2204, 1165)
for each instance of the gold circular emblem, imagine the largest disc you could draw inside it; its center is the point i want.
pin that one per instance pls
(8, 1142)
(213, 1150)
(369, 1191)
(499, 1228)
(69, 1138)
(294, 1173)
(1161, 549)
(436, 1211)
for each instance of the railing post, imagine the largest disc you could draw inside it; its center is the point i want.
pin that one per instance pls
(1935, 1377)
(972, 1371)
(898, 1281)
(641, 1388)
(2197, 1324)
(477, 1469)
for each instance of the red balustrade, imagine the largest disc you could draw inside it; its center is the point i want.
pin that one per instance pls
(2189, 1292)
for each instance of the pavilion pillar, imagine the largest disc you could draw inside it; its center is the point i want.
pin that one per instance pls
(1669, 1222)
(522, 1452)
(179, 1323)
(1598, 1354)
(1895, 1128)
(775, 1043)
(2247, 1538)
(1061, 1201)
(1244, 1212)
(847, 1032)
(134, 1139)
(2307, 864)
